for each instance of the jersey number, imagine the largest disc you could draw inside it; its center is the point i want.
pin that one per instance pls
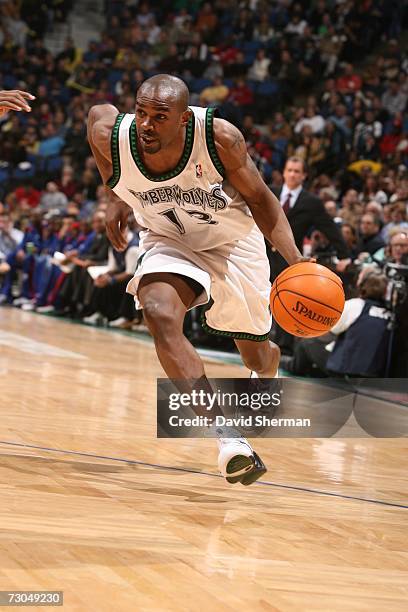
(173, 217)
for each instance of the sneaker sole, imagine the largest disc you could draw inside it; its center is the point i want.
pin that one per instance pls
(256, 466)
(237, 464)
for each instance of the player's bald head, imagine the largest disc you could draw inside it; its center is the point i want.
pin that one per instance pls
(165, 89)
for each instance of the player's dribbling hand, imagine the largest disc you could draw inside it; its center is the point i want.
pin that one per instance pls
(301, 259)
(14, 100)
(116, 224)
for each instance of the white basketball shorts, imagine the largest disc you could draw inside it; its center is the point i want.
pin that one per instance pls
(234, 276)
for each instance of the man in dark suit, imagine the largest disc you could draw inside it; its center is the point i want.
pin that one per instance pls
(304, 212)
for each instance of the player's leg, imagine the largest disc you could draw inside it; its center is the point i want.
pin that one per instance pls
(260, 357)
(165, 299)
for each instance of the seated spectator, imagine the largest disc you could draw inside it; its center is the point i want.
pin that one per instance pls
(296, 25)
(206, 21)
(76, 292)
(370, 239)
(394, 100)
(192, 65)
(367, 148)
(50, 144)
(350, 238)
(243, 26)
(331, 44)
(259, 70)
(351, 209)
(279, 128)
(264, 31)
(52, 199)
(397, 250)
(237, 68)
(398, 215)
(109, 299)
(371, 190)
(23, 198)
(349, 82)
(241, 96)
(10, 238)
(312, 119)
(215, 94)
(331, 209)
(67, 184)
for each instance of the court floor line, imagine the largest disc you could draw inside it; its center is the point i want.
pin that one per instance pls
(192, 471)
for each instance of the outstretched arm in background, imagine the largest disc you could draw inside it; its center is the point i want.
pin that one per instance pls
(15, 100)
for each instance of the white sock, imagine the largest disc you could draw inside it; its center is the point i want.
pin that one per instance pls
(255, 375)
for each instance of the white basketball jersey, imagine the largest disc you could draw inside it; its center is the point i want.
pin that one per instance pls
(193, 202)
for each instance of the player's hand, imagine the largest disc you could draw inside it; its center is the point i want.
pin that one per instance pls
(117, 215)
(300, 259)
(15, 100)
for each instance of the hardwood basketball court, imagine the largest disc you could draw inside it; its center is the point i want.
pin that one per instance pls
(94, 505)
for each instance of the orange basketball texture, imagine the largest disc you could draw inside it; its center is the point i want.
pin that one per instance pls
(307, 299)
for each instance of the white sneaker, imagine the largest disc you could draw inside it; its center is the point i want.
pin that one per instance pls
(117, 322)
(238, 462)
(94, 319)
(45, 309)
(20, 301)
(28, 306)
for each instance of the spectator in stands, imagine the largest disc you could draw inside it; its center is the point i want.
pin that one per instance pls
(109, 299)
(50, 143)
(349, 82)
(351, 209)
(67, 184)
(23, 198)
(311, 119)
(397, 250)
(53, 199)
(10, 237)
(370, 239)
(259, 70)
(398, 219)
(214, 94)
(331, 209)
(76, 292)
(394, 100)
(349, 234)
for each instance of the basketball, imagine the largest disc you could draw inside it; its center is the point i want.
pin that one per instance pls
(307, 299)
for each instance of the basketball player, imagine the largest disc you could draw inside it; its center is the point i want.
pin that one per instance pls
(192, 185)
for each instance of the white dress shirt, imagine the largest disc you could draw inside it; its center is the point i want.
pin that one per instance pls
(294, 194)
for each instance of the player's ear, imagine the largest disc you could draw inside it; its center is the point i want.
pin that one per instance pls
(185, 117)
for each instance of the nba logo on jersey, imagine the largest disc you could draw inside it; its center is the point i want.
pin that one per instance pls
(199, 171)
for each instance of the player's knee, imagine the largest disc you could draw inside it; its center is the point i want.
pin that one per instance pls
(158, 317)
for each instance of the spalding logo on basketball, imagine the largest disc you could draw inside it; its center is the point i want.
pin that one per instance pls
(307, 299)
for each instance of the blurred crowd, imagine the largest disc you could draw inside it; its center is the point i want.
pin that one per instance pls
(325, 81)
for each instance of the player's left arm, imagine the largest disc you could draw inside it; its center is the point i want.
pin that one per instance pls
(243, 175)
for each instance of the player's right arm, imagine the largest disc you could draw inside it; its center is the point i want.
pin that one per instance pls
(101, 119)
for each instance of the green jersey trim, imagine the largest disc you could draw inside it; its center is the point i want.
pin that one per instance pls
(209, 137)
(236, 335)
(188, 147)
(115, 178)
